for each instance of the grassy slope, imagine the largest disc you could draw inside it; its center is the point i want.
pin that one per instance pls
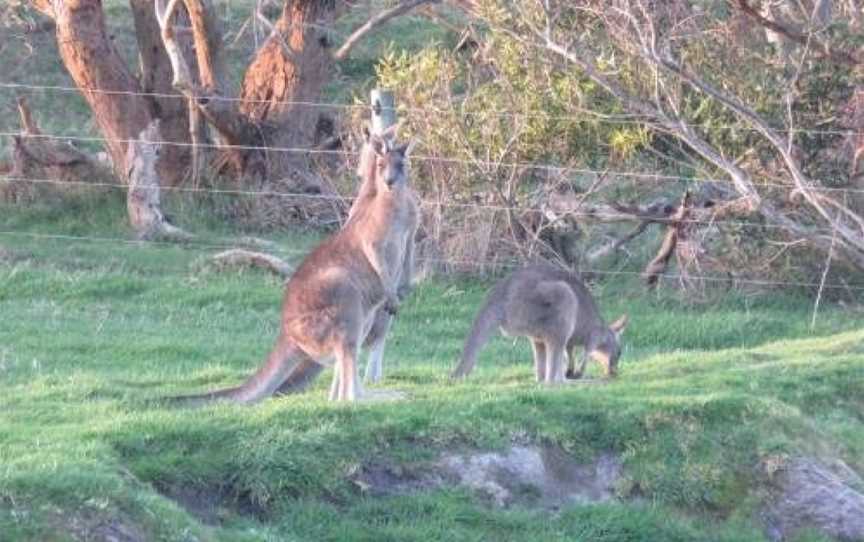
(92, 331)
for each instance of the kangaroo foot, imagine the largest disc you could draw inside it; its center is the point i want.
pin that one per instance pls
(573, 375)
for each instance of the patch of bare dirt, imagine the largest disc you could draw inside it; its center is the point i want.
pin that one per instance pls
(807, 493)
(95, 529)
(539, 476)
(211, 505)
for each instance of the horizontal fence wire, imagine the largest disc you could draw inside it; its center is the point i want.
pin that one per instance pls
(641, 176)
(599, 118)
(619, 216)
(440, 261)
(471, 162)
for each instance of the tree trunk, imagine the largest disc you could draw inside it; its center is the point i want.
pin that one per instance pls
(155, 76)
(94, 63)
(142, 199)
(293, 66)
(855, 143)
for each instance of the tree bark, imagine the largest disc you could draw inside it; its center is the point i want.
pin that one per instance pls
(143, 198)
(94, 63)
(155, 77)
(291, 67)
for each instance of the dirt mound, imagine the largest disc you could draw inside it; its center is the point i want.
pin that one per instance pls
(539, 476)
(807, 493)
(99, 529)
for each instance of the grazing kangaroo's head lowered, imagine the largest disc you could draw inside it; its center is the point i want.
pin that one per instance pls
(554, 309)
(604, 347)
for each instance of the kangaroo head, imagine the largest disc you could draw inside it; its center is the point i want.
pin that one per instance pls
(390, 161)
(605, 348)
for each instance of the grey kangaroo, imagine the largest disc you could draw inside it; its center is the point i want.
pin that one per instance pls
(376, 338)
(554, 309)
(332, 299)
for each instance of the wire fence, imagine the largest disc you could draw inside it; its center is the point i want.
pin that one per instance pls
(479, 163)
(581, 117)
(576, 213)
(449, 262)
(528, 166)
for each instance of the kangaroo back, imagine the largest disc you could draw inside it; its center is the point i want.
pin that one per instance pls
(490, 317)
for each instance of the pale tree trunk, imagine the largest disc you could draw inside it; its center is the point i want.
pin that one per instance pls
(121, 112)
(155, 77)
(143, 196)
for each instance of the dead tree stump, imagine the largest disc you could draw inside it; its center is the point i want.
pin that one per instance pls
(142, 199)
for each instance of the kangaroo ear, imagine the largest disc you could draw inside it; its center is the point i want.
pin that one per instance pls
(619, 325)
(403, 149)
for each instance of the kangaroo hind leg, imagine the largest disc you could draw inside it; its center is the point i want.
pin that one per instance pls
(375, 342)
(346, 377)
(554, 363)
(539, 349)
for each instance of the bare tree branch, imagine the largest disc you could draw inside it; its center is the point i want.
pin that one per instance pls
(838, 57)
(382, 17)
(848, 225)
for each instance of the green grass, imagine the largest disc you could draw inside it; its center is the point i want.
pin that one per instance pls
(93, 331)
(94, 326)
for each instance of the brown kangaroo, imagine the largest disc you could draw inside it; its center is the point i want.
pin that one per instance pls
(376, 339)
(331, 300)
(554, 309)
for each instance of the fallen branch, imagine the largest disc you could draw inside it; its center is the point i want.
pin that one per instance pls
(239, 257)
(43, 158)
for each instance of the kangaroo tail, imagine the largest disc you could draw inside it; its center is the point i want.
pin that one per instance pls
(490, 317)
(282, 361)
(306, 371)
